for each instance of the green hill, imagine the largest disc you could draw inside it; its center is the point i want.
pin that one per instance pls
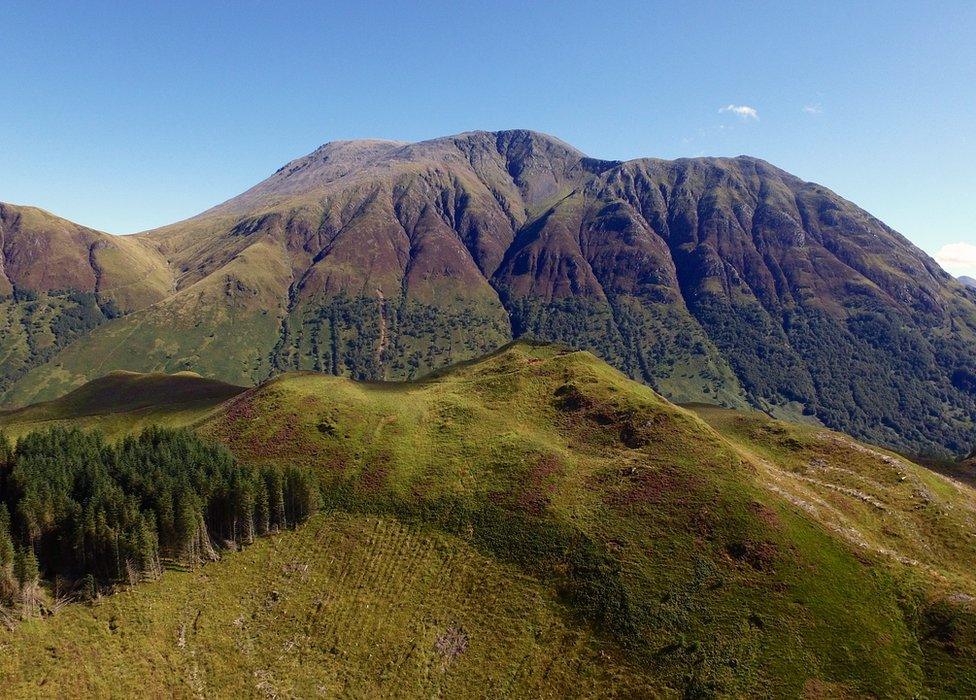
(535, 523)
(123, 402)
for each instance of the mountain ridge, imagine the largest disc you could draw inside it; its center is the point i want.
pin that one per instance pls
(724, 280)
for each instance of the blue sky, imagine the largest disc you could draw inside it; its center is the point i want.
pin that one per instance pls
(127, 116)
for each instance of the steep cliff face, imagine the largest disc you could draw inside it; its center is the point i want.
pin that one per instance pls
(720, 279)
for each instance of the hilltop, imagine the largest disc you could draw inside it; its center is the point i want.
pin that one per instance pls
(534, 522)
(123, 402)
(45, 253)
(718, 280)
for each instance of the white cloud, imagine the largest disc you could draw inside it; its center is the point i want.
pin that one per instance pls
(815, 108)
(742, 111)
(957, 258)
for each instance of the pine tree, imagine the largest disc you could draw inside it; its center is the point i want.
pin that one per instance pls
(28, 576)
(243, 498)
(276, 498)
(26, 570)
(6, 457)
(186, 528)
(302, 494)
(78, 507)
(88, 588)
(6, 542)
(147, 547)
(262, 508)
(7, 582)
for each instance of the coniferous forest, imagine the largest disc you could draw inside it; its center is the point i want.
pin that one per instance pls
(78, 509)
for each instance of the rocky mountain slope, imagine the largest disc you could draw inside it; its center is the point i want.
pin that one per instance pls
(724, 280)
(535, 524)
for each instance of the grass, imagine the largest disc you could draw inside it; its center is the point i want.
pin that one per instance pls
(570, 446)
(884, 503)
(124, 402)
(534, 523)
(349, 605)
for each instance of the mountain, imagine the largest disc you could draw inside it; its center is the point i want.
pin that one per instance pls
(719, 280)
(967, 281)
(535, 523)
(59, 280)
(43, 253)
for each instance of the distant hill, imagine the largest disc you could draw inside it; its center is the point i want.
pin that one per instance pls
(536, 524)
(44, 253)
(123, 402)
(720, 280)
(967, 281)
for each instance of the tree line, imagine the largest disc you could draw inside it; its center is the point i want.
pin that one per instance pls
(75, 507)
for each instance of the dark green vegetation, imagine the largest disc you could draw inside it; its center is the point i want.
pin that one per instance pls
(35, 326)
(534, 523)
(367, 337)
(123, 403)
(74, 508)
(723, 280)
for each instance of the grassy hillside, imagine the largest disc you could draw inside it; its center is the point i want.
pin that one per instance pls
(223, 326)
(60, 281)
(349, 605)
(45, 253)
(35, 326)
(919, 521)
(535, 523)
(877, 500)
(124, 402)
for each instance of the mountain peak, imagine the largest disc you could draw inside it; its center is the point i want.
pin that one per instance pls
(517, 150)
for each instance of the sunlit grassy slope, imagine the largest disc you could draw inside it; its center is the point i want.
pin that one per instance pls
(534, 523)
(349, 605)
